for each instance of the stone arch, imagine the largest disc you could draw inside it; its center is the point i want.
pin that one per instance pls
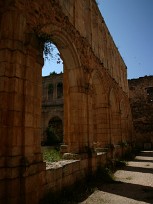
(124, 120)
(72, 80)
(48, 113)
(72, 86)
(100, 110)
(55, 130)
(114, 117)
(59, 90)
(64, 44)
(22, 24)
(22, 64)
(113, 100)
(50, 90)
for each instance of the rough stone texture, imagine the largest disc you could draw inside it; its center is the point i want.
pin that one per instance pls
(141, 99)
(96, 106)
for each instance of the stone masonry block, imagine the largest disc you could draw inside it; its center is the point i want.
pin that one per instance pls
(15, 133)
(16, 101)
(67, 169)
(51, 175)
(3, 192)
(68, 180)
(28, 120)
(4, 100)
(29, 106)
(13, 187)
(83, 164)
(76, 166)
(58, 173)
(2, 173)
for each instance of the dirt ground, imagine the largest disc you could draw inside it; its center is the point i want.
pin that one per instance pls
(133, 184)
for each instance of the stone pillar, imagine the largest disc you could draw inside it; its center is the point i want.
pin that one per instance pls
(78, 123)
(55, 91)
(103, 132)
(20, 111)
(75, 114)
(115, 128)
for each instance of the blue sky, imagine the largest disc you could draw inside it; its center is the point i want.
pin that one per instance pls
(130, 23)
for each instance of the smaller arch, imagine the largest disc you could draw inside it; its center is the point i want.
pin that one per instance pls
(64, 44)
(115, 118)
(126, 125)
(113, 100)
(100, 109)
(55, 131)
(123, 108)
(50, 91)
(60, 90)
(99, 89)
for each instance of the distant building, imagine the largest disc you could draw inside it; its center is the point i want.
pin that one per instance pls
(52, 105)
(141, 99)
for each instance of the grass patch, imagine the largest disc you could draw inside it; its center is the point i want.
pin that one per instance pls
(51, 154)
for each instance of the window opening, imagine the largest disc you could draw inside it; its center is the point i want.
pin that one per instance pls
(52, 131)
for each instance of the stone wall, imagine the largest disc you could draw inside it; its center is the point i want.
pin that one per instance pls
(96, 107)
(141, 99)
(87, 19)
(64, 174)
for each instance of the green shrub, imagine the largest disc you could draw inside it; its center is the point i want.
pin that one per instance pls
(51, 155)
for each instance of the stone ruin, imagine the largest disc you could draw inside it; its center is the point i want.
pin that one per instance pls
(97, 114)
(141, 99)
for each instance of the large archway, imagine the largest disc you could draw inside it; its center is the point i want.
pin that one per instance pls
(23, 57)
(25, 26)
(124, 121)
(71, 77)
(115, 119)
(100, 111)
(55, 131)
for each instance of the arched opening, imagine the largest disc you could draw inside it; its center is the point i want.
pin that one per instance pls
(62, 90)
(52, 103)
(124, 122)
(114, 118)
(53, 63)
(100, 112)
(50, 91)
(54, 131)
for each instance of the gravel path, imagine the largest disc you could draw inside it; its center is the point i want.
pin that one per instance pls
(134, 184)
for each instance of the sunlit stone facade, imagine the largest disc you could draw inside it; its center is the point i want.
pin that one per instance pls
(96, 103)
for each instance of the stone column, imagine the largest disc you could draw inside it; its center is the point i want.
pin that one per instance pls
(20, 110)
(116, 128)
(103, 125)
(75, 113)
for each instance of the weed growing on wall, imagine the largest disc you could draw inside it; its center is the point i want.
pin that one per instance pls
(51, 155)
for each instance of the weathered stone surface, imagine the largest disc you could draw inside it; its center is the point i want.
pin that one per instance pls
(95, 89)
(70, 156)
(141, 99)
